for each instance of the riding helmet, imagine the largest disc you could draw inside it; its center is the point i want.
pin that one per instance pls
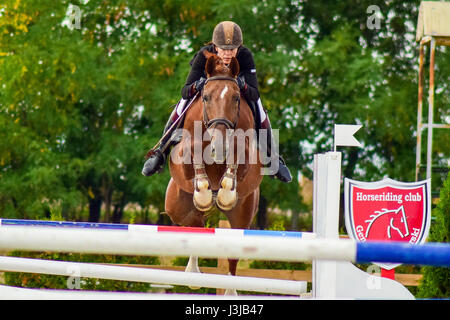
(227, 35)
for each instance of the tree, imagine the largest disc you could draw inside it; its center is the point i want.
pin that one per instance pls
(436, 281)
(79, 108)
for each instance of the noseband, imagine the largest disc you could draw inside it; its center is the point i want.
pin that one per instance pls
(229, 124)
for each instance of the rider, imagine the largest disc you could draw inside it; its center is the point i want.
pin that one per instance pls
(226, 43)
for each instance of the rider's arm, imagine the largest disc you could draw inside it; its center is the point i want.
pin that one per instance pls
(248, 70)
(247, 67)
(197, 71)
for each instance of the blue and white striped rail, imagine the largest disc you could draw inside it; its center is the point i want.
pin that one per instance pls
(153, 228)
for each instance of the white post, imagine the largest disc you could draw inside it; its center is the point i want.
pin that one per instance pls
(327, 173)
(338, 279)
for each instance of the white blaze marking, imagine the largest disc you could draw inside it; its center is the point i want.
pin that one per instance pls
(225, 90)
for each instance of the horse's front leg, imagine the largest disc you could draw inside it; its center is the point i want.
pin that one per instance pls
(227, 195)
(237, 167)
(203, 197)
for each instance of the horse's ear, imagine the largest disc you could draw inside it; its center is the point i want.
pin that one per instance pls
(210, 66)
(207, 54)
(234, 67)
(210, 62)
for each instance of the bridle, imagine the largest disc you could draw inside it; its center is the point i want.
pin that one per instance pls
(229, 124)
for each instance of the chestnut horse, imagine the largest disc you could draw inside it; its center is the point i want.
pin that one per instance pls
(212, 164)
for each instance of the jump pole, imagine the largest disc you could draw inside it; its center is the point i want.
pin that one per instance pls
(133, 228)
(172, 244)
(91, 270)
(214, 246)
(15, 293)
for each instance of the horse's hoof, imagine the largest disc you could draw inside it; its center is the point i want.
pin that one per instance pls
(230, 292)
(227, 195)
(192, 266)
(203, 198)
(195, 288)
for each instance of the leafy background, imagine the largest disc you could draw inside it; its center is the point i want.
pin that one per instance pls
(79, 108)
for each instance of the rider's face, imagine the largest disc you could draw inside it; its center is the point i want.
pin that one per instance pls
(226, 54)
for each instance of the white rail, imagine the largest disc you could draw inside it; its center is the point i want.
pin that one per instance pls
(100, 271)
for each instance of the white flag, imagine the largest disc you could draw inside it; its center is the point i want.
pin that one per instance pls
(343, 135)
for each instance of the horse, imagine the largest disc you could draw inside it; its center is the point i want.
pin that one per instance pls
(219, 167)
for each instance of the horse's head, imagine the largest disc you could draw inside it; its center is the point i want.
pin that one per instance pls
(221, 103)
(399, 223)
(392, 220)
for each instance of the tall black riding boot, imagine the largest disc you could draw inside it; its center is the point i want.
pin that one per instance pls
(283, 173)
(155, 163)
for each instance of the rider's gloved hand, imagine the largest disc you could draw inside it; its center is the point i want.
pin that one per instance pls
(198, 85)
(241, 83)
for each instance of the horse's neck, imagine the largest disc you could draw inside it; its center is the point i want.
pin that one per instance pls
(195, 112)
(246, 119)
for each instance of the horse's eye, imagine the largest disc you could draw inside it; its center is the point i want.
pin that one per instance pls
(205, 98)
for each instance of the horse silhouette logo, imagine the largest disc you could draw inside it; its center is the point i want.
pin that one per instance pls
(387, 210)
(394, 221)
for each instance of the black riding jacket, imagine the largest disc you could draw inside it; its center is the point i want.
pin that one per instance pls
(246, 66)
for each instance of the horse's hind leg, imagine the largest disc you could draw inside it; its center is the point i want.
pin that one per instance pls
(181, 210)
(241, 218)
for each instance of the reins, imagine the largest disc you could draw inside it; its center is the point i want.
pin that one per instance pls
(170, 130)
(229, 124)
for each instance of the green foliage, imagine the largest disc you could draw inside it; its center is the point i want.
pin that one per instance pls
(278, 224)
(436, 281)
(29, 280)
(79, 108)
(202, 262)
